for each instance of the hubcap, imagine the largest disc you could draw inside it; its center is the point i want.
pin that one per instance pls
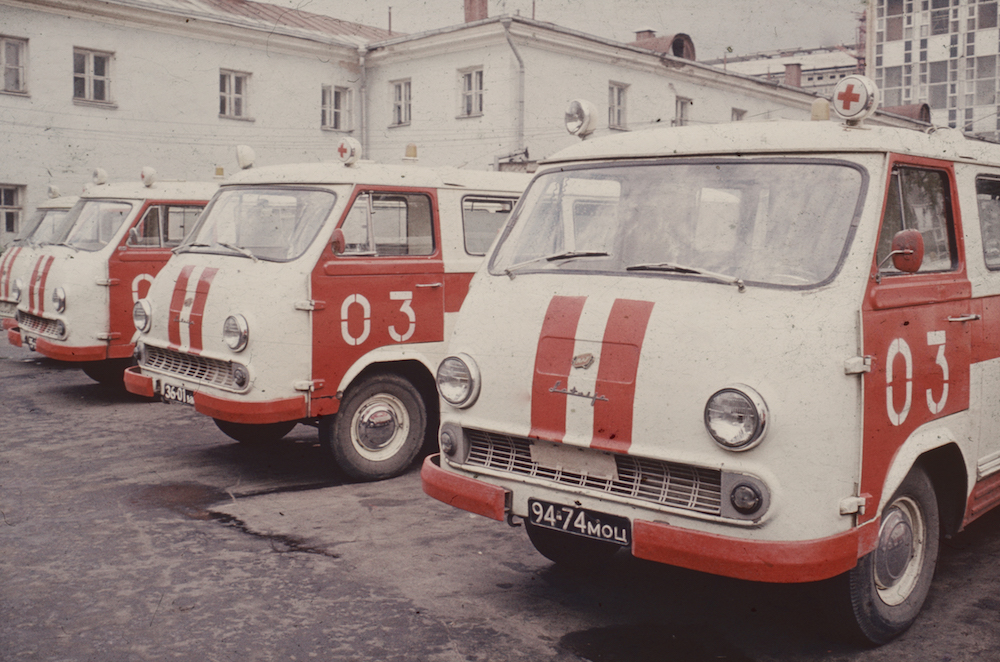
(900, 552)
(380, 426)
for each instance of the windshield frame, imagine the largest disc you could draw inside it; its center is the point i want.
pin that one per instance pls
(72, 221)
(189, 244)
(581, 267)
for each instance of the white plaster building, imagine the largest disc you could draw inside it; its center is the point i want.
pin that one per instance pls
(177, 84)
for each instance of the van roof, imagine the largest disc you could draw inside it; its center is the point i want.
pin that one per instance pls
(378, 174)
(160, 190)
(778, 137)
(62, 202)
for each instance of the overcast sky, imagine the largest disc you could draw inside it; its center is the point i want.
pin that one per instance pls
(745, 26)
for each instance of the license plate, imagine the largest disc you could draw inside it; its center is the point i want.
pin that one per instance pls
(176, 394)
(580, 521)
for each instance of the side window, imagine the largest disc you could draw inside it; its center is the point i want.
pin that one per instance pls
(146, 233)
(179, 221)
(482, 218)
(919, 199)
(389, 224)
(988, 199)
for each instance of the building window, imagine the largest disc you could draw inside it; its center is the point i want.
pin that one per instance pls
(91, 75)
(738, 115)
(336, 113)
(10, 208)
(616, 105)
(400, 102)
(12, 61)
(472, 92)
(233, 90)
(682, 113)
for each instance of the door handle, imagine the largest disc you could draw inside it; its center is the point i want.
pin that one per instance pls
(964, 318)
(428, 284)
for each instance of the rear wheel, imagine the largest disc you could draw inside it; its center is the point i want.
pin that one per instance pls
(110, 372)
(568, 550)
(255, 434)
(888, 586)
(379, 429)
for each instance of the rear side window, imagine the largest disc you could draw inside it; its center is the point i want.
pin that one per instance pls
(919, 199)
(988, 202)
(482, 218)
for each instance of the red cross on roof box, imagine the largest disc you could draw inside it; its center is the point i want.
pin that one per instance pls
(855, 98)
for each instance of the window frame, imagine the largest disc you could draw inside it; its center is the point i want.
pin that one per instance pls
(335, 114)
(229, 96)
(21, 67)
(89, 77)
(471, 96)
(11, 213)
(402, 102)
(617, 105)
(682, 114)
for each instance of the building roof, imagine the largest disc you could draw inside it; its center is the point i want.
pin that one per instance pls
(760, 64)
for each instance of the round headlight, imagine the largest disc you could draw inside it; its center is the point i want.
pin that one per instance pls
(16, 290)
(236, 332)
(142, 315)
(458, 380)
(736, 417)
(59, 299)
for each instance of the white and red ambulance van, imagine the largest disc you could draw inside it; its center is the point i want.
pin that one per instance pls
(42, 228)
(321, 293)
(769, 351)
(75, 301)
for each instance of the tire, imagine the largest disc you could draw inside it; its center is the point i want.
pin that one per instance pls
(379, 429)
(570, 551)
(888, 586)
(255, 434)
(110, 372)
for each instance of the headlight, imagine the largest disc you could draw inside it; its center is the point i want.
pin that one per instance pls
(142, 315)
(17, 289)
(458, 380)
(236, 332)
(59, 299)
(736, 417)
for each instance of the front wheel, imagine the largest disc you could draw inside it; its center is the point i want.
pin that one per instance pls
(568, 550)
(379, 429)
(255, 434)
(110, 372)
(888, 586)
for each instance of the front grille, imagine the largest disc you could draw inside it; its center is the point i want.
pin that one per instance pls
(212, 372)
(651, 481)
(38, 325)
(8, 308)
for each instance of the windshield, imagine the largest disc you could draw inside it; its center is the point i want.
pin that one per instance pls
(91, 224)
(276, 224)
(44, 226)
(770, 222)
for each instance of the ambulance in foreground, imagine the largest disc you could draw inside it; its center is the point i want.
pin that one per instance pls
(321, 293)
(767, 351)
(75, 299)
(42, 228)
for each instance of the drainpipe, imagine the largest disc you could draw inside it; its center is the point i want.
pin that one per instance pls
(363, 102)
(520, 85)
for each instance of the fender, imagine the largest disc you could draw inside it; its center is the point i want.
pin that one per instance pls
(388, 354)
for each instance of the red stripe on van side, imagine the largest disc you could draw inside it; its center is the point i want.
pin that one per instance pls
(620, 352)
(553, 362)
(176, 305)
(198, 309)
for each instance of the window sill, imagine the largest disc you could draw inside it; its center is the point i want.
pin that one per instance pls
(236, 118)
(465, 117)
(333, 130)
(15, 93)
(615, 127)
(95, 104)
(396, 126)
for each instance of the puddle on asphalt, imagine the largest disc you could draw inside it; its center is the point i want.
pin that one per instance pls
(649, 643)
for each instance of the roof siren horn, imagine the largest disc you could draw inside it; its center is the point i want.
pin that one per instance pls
(581, 118)
(148, 176)
(245, 156)
(854, 99)
(348, 151)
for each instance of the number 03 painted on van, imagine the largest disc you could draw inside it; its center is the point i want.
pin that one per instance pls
(899, 347)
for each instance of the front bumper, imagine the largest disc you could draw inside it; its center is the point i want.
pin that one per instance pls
(794, 561)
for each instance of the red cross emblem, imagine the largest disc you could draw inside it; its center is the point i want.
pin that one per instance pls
(848, 96)
(342, 149)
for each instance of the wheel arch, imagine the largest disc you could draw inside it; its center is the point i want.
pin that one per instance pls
(419, 374)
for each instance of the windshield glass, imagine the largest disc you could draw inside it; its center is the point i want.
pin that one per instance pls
(770, 222)
(43, 227)
(93, 223)
(266, 223)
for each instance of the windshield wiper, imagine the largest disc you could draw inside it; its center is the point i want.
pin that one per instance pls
(681, 269)
(63, 243)
(565, 255)
(182, 247)
(239, 249)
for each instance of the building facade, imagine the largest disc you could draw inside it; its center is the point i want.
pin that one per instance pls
(177, 84)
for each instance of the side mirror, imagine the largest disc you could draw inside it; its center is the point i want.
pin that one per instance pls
(340, 243)
(907, 250)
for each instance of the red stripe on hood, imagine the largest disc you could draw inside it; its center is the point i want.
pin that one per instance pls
(553, 362)
(41, 285)
(7, 270)
(177, 305)
(198, 309)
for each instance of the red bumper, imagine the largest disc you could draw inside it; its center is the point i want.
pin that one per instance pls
(257, 413)
(61, 352)
(14, 337)
(755, 560)
(136, 382)
(8, 323)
